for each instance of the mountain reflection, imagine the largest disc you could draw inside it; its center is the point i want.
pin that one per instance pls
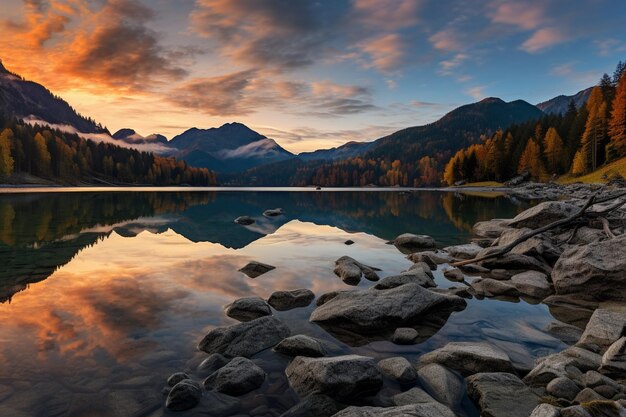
(40, 232)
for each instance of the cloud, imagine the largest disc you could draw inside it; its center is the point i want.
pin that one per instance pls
(568, 71)
(386, 52)
(448, 66)
(390, 14)
(543, 39)
(609, 46)
(476, 92)
(446, 40)
(521, 14)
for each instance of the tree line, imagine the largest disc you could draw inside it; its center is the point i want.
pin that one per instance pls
(577, 142)
(70, 159)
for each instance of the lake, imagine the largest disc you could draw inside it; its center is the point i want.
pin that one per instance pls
(105, 294)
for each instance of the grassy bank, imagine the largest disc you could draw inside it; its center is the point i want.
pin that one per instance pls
(603, 174)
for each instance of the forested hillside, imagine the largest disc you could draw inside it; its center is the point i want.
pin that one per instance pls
(70, 159)
(577, 142)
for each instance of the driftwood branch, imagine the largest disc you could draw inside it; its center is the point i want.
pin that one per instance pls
(506, 249)
(607, 228)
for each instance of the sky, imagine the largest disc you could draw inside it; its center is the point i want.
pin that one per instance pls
(309, 74)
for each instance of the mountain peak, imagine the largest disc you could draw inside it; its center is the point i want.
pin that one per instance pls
(491, 100)
(123, 133)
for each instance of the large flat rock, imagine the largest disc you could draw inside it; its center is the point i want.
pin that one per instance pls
(500, 394)
(433, 409)
(469, 358)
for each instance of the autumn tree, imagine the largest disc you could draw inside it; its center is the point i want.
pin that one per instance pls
(616, 147)
(531, 161)
(42, 158)
(553, 151)
(6, 160)
(595, 131)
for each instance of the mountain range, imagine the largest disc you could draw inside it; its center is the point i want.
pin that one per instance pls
(236, 151)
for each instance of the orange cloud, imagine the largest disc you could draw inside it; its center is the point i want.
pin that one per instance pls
(387, 52)
(542, 39)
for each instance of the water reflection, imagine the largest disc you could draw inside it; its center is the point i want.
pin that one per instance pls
(121, 287)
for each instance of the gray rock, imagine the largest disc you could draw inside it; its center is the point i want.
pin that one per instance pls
(565, 332)
(462, 292)
(595, 270)
(350, 271)
(606, 391)
(322, 299)
(454, 274)
(575, 411)
(410, 243)
(543, 214)
(286, 300)
(238, 377)
(546, 410)
(176, 378)
(245, 339)
(255, 269)
(513, 261)
(369, 310)
(405, 336)
(588, 395)
(444, 385)
(604, 328)
(273, 212)
(425, 258)
(399, 369)
(418, 277)
(469, 358)
(420, 267)
(244, 220)
(439, 257)
(313, 405)
(537, 246)
(500, 394)
(532, 283)
(563, 387)
(593, 379)
(301, 345)
(474, 269)
(467, 251)
(490, 228)
(222, 405)
(247, 308)
(413, 410)
(349, 242)
(488, 287)
(183, 396)
(614, 359)
(562, 364)
(413, 396)
(339, 377)
(211, 364)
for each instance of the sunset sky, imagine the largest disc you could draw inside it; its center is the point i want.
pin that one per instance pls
(309, 74)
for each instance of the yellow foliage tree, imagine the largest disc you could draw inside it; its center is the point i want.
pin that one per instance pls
(6, 160)
(531, 161)
(553, 150)
(616, 147)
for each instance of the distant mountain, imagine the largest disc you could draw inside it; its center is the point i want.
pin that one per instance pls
(559, 104)
(232, 147)
(344, 151)
(131, 137)
(24, 99)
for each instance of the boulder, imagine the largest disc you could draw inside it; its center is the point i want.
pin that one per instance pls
(338, 377)
(537, 246)
(462, 292)
(350, 271)
(414, 410)
(563, 387)
(413, 396)
(417, 276)
(439, 257)
(322, 299)
(410, 243)
(244, 220)
(587, 395)
(604, 328)
(370, 310)
(273, 212)
(405, 336)
(211, 364)
(183, 396)
(425, 258)
(543, 214)
(513, 261)
(532, 283)
(245, 339)
(454, 274)
(317, 405)
(490, 228)
(500, 394)
(247, 308)
(442, 384)
(238, 377)
(575, 411)
(469, 358)
(467, 251)
(420, 267)
(176, 378)
(568, 363)
(564, 332)
(399, 369)
(546, 410)
(488, 287)
(594, 270)
(593, 379)
(286, 300)
(255, 269)
(301, 345)
(614, 359)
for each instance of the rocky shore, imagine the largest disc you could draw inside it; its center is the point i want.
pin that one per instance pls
(577, 269)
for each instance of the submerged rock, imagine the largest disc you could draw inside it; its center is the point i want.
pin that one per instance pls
(399, 369)
(176, 378)
(247, 308)
(256, 269)
(543, 214)
(565, 332)
(500, 394)
(183, 396)
(338, 377)
(350, 271)
(469, 358)
(416, 276)
(370, 310)
(409, 243)
(286, 300)
(238, 377)
(433, 409)
(594, 270)
(273, 212)
(245, 339)
(244, 220)
(301, 345)
(211, 364)
(444, 385)
(317, 405)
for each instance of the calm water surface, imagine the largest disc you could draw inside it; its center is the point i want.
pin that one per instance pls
(105, 294)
